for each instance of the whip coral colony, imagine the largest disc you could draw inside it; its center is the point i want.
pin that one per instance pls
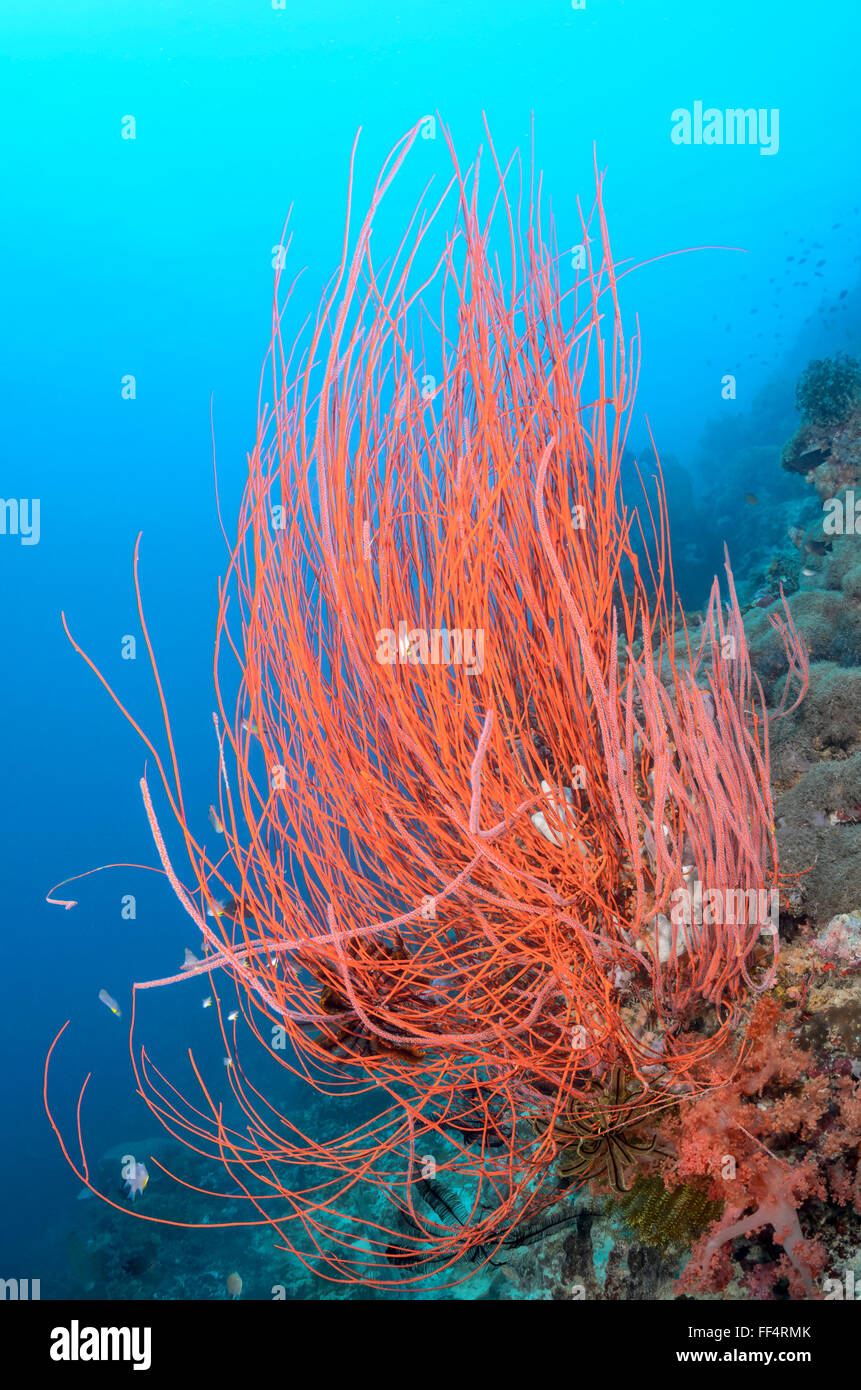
(447, 888)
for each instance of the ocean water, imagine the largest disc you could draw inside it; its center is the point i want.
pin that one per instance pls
(152, 257)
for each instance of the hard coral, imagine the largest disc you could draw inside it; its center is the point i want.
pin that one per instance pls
(840, 943)
(829, 389)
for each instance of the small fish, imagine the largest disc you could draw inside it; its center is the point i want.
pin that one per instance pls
(190, 959)
(228, 1061)
(751, 499)
(250, 726)
(207, 1003)
(111, 1003)
(138, 1181)
(232, 1016)
(215, 821)
(234, 1285)
(808, 573)
(228, 907)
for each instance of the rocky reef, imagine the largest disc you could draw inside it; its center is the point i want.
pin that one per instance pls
(816, 751)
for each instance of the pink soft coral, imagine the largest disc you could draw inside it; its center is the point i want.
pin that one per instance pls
(785, 1189)
(729, 1135)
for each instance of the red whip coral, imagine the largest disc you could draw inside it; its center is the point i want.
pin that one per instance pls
(468, 752)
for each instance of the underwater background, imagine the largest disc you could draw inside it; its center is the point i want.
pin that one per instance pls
(152, 257)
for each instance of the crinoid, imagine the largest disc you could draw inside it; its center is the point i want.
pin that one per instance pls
(598, 1138)
(668, 1218)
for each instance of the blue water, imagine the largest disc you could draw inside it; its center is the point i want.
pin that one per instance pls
(152, 257)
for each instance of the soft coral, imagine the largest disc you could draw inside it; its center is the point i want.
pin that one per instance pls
(783, 1189)
(729, 1135)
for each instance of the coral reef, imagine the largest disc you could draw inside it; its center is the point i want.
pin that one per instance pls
(765, 1148)
(580, 1087)
(816, 750)
(417, 899)
(775, 1136)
